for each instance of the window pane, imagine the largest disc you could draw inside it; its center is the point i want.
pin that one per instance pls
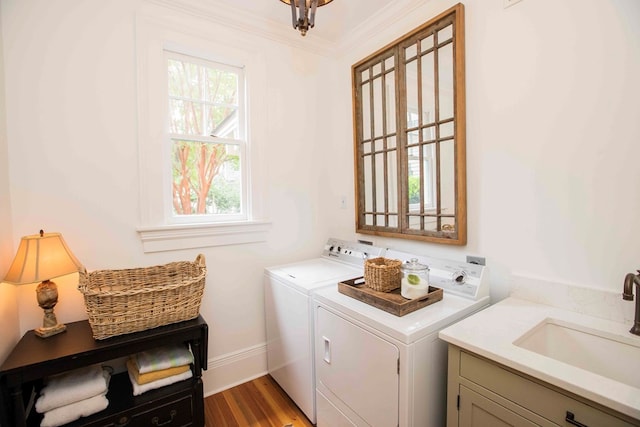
(410, 51)
(428, 134)
(185, 117)
(429, 175)
(390, 94)
(414, 222)
(412, 93)
(445, 34)
(380, 187)
(222, 87)
(368, 219)
(446, 130)
(391, 142)
(426, 43)
(413, 178)
(377, 107)
(392, 181)
(445, 81)
(428, 91)
(377, 68)
(206, 178)
(366, 112)
(447, 177)
(222, 121)
(368, 184)
(389, 63)
(366, 148)
(184, 79)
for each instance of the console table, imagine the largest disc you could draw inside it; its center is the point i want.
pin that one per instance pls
(34, 358)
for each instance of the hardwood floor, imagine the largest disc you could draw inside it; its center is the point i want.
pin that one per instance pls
(260, 402)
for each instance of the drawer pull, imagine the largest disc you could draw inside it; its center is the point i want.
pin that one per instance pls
(156, 421)
(570, 418)
(123, 421)
(327, 350)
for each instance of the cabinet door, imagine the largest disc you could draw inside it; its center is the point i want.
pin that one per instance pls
(478, 411)
(359, 368)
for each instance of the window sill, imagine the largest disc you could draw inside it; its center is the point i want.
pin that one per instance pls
(189, 236)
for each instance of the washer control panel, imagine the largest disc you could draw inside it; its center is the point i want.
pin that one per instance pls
(350, 252)
(456, 277)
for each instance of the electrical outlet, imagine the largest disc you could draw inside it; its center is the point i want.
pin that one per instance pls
(479, 260)
(508, 3)
(343, 202)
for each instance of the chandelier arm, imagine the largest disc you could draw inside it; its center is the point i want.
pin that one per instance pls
(312, 15)
(304, 13)
(294, 18)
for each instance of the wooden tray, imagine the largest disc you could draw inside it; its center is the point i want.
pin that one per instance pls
(391, 302)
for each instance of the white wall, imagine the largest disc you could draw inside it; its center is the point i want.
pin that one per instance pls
(552, 136)
(72, 141)
(8, 312)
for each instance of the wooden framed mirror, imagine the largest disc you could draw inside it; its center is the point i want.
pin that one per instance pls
(409, 128)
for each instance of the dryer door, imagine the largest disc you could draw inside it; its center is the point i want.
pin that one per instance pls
(358, 368)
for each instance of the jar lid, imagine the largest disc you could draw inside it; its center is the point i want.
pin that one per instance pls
(414, 265)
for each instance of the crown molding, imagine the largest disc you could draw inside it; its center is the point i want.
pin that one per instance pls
(384, 18)
(248, 22)
(252, 23)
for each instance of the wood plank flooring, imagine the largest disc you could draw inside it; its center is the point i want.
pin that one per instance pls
(260, 402)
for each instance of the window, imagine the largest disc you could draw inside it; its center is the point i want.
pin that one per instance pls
(201, 129)
(207, 133)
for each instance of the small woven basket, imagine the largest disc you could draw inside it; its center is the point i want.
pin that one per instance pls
(382, 274)
(124, 301)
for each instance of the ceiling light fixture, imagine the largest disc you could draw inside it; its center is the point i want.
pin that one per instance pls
(304, 18)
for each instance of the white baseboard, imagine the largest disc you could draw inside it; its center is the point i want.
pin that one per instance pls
(231, 369)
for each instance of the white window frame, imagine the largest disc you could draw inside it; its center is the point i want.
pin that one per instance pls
(159, 231)
(241, 142)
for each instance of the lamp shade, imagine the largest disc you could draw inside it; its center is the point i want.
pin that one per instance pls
(41, 257)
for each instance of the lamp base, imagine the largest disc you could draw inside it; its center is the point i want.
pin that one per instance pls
(50, 331)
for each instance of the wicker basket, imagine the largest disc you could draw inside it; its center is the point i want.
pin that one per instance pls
(382, 274)
(123, 301)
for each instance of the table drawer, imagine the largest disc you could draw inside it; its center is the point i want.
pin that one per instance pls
(175, 413)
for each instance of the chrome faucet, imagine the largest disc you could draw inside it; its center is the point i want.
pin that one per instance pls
(629, 280)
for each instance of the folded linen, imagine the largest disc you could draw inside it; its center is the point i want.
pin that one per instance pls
(73, 386)
(154, 375)
(65, 414)
(163, 358)
(138, 389)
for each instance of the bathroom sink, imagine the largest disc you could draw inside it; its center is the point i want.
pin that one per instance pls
(608, 355)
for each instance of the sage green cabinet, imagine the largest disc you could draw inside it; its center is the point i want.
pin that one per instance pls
(483, 393)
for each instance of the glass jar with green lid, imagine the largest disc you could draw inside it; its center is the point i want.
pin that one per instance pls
(415, 279)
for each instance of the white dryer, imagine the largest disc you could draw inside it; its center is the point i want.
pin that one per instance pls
(289, 314)
(377, 369)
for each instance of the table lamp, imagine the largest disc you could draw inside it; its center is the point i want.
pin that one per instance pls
(41, 257)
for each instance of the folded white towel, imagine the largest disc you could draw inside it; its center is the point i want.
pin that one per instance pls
(139, 389)
(65, 414)
(72, 386)
(163, 358)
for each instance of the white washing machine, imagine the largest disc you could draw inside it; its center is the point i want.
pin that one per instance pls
(377, 369)
(289, 314)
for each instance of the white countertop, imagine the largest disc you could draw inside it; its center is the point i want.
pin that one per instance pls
(490, 333)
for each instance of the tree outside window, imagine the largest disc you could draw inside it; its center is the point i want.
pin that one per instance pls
(206, 127)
